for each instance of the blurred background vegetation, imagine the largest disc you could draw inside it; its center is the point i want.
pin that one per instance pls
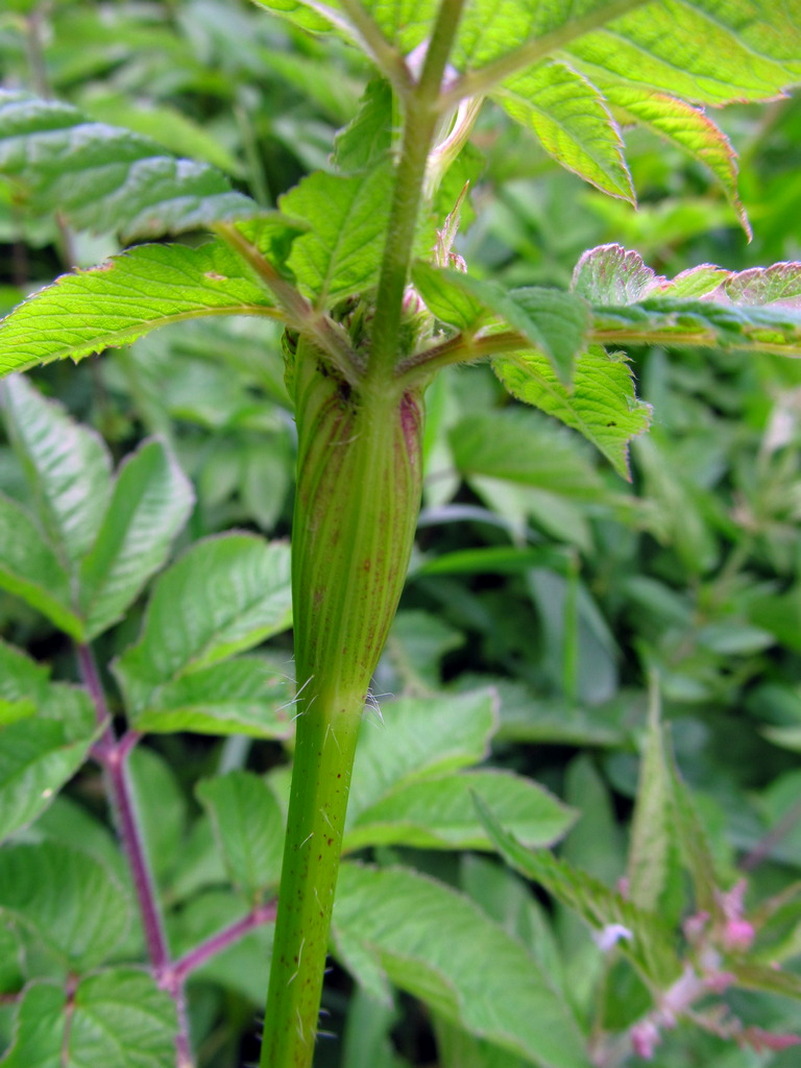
(536, 569)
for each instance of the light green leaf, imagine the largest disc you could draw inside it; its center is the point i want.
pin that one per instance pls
(553, 321)
(37, 757)
(368, 136)
(29, 569)
(67, 899)
(439, 946)
(567, 114)
(684, 125)
(151, 502)
(602, 405)
(445, 298)
(345, 218)
(226, 594)
(246, 695)
(127, 296)
(117, 1018)
(418, 739)
(648, 942)
(521, 446)
(439, 813)
(105, 178)
(67, 465)
(249, 829)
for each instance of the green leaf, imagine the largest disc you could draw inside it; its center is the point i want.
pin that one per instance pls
(346, 220)
(439, 946)
(521, 446)
(67, 899)
(686, 126)
(446, 299)
(609, 274)
(127, 296)
(151, 502)
(602, 405)
(643, 937)
(37, 757)
(30, 569)
(118, 1018)
(367, 138)
(439, 813)
(650, 848)
(226, 594)
(105, 178)
(247, 695)
(567, 114)
(418, 739)
(248, 826)
(555, 322)
(67, 466)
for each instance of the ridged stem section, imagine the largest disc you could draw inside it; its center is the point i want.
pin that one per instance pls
(356, 508)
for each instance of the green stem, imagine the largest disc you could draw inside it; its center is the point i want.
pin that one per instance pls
(355, 513)
(422, 116)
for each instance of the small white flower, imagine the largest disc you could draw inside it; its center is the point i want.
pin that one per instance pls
(611, 935)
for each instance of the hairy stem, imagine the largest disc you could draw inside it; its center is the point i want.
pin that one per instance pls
(355, 513)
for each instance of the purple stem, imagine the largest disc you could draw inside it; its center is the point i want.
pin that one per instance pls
(197, 957)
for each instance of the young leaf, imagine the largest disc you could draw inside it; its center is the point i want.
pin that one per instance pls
(151, 501)
(569, 117)
(609, 275)
(68, 900)
(248, 827)
(30, 569)
(104, 178)
(346, 218)
(224, 595)
(439, 813)
(439, 946)
(127, 296)
(67, 465)
(602, 405)
(117, 1017)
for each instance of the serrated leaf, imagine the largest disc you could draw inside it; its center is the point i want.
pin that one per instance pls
(523, 447)
(439, 813)
(118, 1018)
(226, 594)
(686, 126)
(778, 285)
(30, 569)
(37, 757)
(67, 899)
(650, 947)
(553, 321)
(127, 296)
(248, 826)
(602, 405)
(368, 136)
(441, 947)
(105, 178)
(246, 695)
(567, 114)
(418, 738)
(67, 466)
(346, 219)
(609, 274)
(151, 502)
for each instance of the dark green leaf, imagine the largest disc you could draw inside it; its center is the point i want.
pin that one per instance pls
(151, 501)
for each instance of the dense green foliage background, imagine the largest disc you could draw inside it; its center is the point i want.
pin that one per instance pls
(537, 570)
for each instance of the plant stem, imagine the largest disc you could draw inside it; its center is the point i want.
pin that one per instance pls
(112, 755)
(355, 513)
(421, 118)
